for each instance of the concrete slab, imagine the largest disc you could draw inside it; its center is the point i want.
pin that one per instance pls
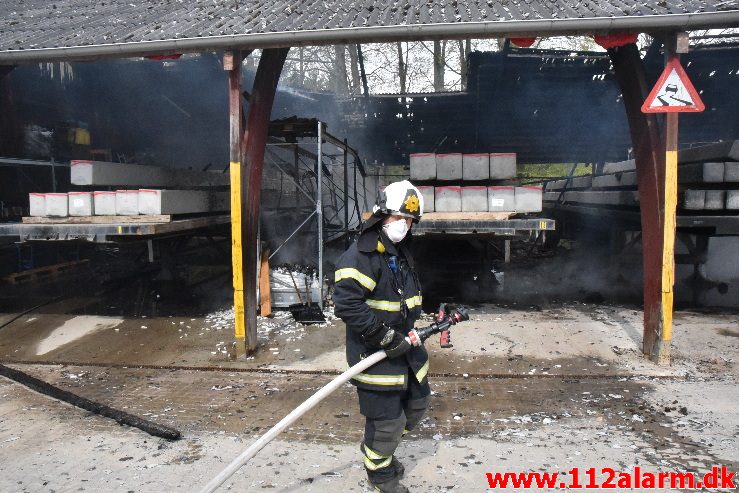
(501, 199)
(713, 172)
(618, 167)
(503, 166)
(576, 182)
(626, 179)
(604, 197)
(126, 202)
(715, 199)
(80, 204)
(423, 166)
(475, 199)
(694, 200)
(448, 199)
(449, 166)
(720, 151)
(56, 205)
(181, 201)
(103, 203)
(528, 198)
(37, 204)
(476, 166)
(428, 197)
(98, 173)
(732, 199)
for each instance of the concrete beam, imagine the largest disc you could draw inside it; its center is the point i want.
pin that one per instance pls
(97, 173)
(626, 198)
(181, 201)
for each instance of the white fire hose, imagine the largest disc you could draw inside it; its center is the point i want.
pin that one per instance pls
(306, 406)
(418, 336)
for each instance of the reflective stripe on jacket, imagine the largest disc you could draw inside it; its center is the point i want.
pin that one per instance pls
(366, 294)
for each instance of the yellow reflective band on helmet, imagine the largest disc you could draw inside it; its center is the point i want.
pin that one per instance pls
(373, 467)
(414, 301)
(380, 379)
(386, 305)
(371, 454)
(422, 372)
(349, 273)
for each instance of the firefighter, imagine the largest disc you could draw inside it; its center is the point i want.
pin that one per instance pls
(378, 296)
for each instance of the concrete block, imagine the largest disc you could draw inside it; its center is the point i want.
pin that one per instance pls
(126, 202)
(80, 204)
(475, 199)
(423, 166)
(502, 166)
(448, 199)
(56, 205)
(715, 199)
(475, 166)
(732, 199)
(181, 201)
(136, 175)
(449, 166)
(713, 172)
(428, 198)
(37, 204)
(528, 198)
(501, 199)
(694, 200)
(103, 203)
(731, 172)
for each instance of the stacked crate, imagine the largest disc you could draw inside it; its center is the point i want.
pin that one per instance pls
(482, 182)
(174, 193)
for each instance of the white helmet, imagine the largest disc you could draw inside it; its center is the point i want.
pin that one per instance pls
(400, 198)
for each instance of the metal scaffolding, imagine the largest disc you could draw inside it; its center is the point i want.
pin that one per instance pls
(334, 192)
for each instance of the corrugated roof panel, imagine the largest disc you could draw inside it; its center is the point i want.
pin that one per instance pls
(35, 24)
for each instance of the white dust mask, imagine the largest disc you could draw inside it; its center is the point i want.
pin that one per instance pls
(396, 230)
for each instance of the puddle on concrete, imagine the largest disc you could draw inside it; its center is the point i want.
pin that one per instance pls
(74, 329)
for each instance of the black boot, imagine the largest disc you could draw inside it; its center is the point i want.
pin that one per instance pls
(399, 468)
(392, 486)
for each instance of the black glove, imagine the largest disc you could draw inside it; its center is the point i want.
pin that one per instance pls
(378, 337)
(398, 346)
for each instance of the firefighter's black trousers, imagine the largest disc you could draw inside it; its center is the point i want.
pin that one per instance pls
(389, 415)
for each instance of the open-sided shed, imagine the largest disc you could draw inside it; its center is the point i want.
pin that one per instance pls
(34, 31)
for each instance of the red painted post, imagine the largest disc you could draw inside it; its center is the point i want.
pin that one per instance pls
(649, 153)
(252, 150)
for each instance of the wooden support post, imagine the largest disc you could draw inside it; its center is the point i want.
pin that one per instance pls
(650, 169)
(232, 63)
(661, 350)
(252, 149)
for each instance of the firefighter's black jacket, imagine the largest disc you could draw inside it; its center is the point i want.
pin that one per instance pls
(368, 293)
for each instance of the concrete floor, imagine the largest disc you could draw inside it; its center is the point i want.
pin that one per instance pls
(544, 387)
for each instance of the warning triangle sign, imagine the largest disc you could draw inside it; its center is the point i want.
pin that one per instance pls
(673, 92)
